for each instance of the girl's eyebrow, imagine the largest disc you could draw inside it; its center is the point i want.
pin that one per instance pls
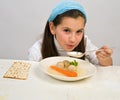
(65, 27)
(80, 29)
(70, 28)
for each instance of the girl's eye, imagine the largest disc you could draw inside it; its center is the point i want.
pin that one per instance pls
(66, 30)
(79, 31)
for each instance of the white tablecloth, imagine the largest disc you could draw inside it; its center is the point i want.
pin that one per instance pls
(104, 85)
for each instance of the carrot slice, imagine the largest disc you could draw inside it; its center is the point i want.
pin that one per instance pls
(65, 72)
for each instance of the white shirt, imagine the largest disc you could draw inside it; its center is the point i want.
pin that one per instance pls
(34, 53)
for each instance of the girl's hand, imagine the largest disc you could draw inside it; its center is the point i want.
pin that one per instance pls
(104, 56)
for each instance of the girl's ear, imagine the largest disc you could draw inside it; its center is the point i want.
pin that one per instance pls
(52, 28)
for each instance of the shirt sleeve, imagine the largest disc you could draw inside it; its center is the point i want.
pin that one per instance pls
(34, 53)
(91, 56)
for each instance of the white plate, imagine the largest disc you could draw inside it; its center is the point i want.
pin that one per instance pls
(89, 68)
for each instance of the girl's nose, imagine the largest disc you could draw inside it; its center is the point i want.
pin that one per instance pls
(72, 38)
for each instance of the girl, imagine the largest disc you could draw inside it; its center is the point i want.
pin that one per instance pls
(64, 31)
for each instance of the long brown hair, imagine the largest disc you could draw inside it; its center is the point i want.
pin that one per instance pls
(48, 47)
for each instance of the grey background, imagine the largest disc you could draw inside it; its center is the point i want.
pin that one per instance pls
(22, 22)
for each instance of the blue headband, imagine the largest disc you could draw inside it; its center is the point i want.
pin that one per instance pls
(64, 6)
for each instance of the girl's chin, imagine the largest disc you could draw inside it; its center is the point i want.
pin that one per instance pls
(68, 50)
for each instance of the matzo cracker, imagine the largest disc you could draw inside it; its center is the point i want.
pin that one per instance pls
(18, 70)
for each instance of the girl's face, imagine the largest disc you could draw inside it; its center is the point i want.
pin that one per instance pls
(69, 32)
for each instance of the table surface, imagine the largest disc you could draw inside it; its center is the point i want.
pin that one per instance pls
(104, 85)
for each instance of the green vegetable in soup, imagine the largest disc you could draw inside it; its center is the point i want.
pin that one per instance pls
(75, 63)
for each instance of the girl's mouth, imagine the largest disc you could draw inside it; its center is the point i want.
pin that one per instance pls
(70, 46)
